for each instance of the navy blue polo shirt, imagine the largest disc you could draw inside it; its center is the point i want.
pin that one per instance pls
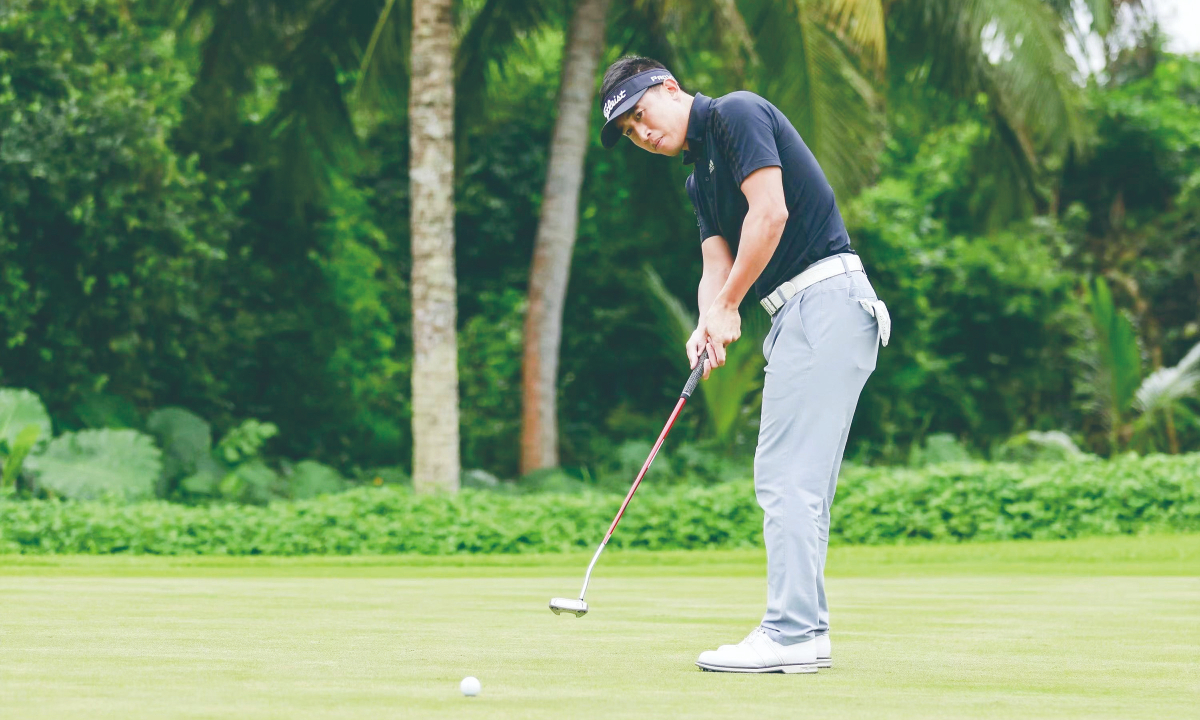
(732, 136)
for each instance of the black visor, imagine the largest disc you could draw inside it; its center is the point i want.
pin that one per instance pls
(623, 97)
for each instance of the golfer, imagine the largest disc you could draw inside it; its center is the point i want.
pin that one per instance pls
(768, 221)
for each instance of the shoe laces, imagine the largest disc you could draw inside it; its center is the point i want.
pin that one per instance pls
(753, 634)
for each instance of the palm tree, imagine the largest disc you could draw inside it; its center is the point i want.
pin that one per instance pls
(431, 182)
(556, 236)
(311, 44)
(1013, 50)
(311, 132)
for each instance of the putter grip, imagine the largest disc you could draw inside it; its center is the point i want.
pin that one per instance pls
(695, 377)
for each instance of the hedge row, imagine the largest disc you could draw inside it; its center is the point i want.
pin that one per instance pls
(955, 502)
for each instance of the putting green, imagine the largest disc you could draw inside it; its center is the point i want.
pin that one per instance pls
(1086, 629)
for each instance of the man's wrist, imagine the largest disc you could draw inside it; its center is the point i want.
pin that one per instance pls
(725, 302)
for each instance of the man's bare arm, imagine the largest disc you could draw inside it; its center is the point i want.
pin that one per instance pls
(718, 260)
(761, 230)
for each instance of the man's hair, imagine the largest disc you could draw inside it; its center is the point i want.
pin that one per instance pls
(625, 68)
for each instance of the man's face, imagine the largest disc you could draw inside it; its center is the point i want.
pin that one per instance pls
(659, 121)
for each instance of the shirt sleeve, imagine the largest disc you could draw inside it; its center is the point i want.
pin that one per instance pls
(745, 133)
(707, 227)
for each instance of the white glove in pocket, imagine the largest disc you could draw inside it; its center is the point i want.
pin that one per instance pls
(879, 311)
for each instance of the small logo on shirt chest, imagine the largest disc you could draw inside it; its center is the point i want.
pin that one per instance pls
(711, 168)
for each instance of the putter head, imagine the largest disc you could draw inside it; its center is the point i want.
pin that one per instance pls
(576, 607)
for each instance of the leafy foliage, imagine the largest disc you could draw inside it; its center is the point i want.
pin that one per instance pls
(490, 381)
(939, 448)
(984, 327)
(1162, 399)
(95, 464)
(18, 450)
(1167, 385)
(1011, 50)
(20, 409)
(213, 214)
(235, 471)
(105, 232)
(186, 442)
(1034, 446)
(100, 410)
(946, 503)
(728, 388)
(24, 424)
(1120, 356)
(311, 479)
(245, 441)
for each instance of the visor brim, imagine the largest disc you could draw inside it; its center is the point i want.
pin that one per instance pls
(610, 134)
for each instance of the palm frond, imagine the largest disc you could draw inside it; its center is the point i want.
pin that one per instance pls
(673, 317)
(490, 34)
(1165, 386)
(383, 69)
(1012, 50)
(862, 23)
(815, 80)
(1008, 186)
(235, 38)
(1191, 360)
(722, 18)
(1117, 347)
(317, 48)
(653, 28)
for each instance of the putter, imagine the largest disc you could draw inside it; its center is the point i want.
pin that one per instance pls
(579, 608)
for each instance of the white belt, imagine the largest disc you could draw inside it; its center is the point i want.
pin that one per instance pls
(824, 269)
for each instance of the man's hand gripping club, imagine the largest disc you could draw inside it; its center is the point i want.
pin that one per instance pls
(726, 279)
(720, 326)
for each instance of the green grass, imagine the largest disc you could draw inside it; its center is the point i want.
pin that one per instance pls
(1085, 629)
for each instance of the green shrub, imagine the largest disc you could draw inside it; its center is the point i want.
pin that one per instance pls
(1034, 446)
(186, 441)
(12, 461)
(952, 502)
(310, 479)
(939, 449)
(24, 427)
(99, 464)
(18, 410)
(234, 470)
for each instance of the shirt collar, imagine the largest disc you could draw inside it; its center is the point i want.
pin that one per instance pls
(697, 122)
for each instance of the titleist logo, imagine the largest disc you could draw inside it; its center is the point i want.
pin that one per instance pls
(612, 103)
(615, 99)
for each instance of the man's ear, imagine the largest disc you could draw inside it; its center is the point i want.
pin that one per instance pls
(671, 86)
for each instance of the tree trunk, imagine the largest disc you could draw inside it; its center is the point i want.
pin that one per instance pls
(556, 236)
(1172, 437)
(431, 178)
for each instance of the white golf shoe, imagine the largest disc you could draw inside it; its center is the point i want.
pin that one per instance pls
(824, 651)
(760, 654)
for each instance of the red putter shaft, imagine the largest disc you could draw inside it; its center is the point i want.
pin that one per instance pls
(578, 607)
(678, 406)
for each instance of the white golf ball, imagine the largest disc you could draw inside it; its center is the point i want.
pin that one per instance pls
(470, 686)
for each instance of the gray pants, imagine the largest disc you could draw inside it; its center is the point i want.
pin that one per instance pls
(822, 347)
